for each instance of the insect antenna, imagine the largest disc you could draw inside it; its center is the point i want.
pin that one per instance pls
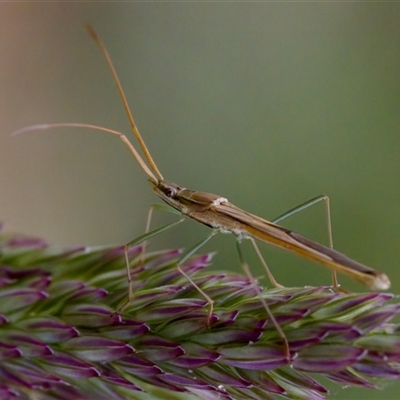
(134, 128)
(139, 159)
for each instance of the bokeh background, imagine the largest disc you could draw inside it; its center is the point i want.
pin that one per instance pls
(267, 104)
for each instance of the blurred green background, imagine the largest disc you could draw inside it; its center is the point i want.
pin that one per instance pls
(267, 104)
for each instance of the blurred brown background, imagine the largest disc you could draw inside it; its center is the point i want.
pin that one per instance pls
(266, 104)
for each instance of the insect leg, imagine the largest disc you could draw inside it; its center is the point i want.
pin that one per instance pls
(278, 328)
(156, 207)
(267, 270)
(304, 206)
(193, 250)
(141, 239)
(148, 223)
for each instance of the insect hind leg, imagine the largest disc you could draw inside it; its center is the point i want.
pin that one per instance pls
(303, 207)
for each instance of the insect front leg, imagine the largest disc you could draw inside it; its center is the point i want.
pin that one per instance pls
(157, 207)
(134, 242)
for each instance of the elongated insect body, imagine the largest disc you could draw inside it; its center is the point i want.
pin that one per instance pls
(218, 213)
(222, 216)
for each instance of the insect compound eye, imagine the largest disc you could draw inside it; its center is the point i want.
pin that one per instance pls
(169, 192)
